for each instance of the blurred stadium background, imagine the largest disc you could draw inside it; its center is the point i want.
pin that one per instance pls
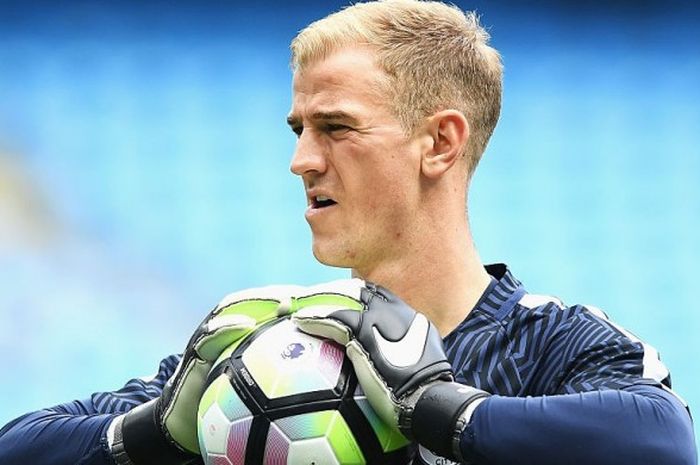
(144, 174)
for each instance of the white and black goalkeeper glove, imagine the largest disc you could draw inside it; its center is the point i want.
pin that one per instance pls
(164, 430)
(400, 363)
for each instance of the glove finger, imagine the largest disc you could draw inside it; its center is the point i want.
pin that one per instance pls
(321, 321)
(262, 303)
(260, 293)
(185, 399)
(378, 393)
(331, 296)
(220, 332)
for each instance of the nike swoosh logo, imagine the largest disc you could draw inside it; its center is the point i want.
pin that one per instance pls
(408, 350)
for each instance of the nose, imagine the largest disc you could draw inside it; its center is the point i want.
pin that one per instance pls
(309, 155)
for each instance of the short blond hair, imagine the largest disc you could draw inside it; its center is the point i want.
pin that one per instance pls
(435, 55)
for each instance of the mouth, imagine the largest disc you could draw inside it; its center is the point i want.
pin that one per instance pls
(319, 204)
(321, 201)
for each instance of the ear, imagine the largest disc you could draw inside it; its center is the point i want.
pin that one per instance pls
(449, 131)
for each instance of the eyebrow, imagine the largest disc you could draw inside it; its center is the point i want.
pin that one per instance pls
(336, 115)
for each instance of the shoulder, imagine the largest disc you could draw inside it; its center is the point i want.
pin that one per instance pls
(581, 348)
(548, 316)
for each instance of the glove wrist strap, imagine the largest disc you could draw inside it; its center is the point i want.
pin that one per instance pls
(144, 442)
(439, 416)
(116, 442)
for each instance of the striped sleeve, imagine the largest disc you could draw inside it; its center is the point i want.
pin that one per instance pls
(136, 391)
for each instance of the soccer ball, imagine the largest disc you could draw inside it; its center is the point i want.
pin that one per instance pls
(283, 397)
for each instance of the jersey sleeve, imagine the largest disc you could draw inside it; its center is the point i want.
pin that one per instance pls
(637, 424)
(75, 432)
(608, 402)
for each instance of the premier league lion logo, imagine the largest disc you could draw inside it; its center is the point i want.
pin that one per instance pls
(293, 351)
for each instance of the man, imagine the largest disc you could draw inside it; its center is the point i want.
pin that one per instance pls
(393, 105)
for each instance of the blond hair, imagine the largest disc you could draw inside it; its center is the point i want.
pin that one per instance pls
(435, 55)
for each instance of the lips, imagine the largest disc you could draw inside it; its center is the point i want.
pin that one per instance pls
(319, 204)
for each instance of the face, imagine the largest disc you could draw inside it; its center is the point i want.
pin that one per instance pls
(359, 168)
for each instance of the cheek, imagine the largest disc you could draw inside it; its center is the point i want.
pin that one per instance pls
(388, 209)
(386, 192)
(382, 183)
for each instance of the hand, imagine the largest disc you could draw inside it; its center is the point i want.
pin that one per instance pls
(400, 364)
(164, 430)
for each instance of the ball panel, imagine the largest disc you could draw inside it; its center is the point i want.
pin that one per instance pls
(213, 430)
(276, 447)
(238, 441)
(210, 394)
(217, 460)
(230, 403)
(343, 442)
(315, 451)
(307, 425)
(330, 361)
(283, 361)
(327, 425)
(223, 423)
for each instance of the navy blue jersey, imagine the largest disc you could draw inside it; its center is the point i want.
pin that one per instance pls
(569, 387)
(518, 344)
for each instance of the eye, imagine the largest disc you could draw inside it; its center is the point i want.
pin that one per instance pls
(335, 128)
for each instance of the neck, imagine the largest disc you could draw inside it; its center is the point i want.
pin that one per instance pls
(440, 276)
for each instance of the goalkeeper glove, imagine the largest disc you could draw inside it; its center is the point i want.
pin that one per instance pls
(400, 364)
(164, 430)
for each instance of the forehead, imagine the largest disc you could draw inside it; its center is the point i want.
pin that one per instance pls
(349, 78)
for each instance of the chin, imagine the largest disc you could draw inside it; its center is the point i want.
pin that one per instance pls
(333, 254)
